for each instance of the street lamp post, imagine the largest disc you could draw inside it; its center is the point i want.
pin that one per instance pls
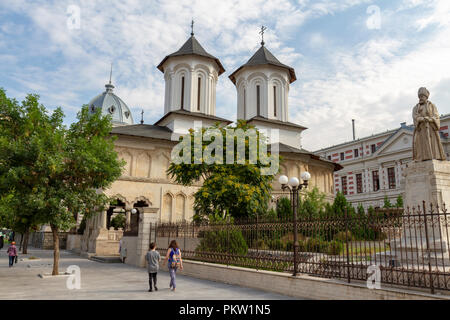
(294, 185)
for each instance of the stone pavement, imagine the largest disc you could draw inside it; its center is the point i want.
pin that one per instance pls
(107, 281)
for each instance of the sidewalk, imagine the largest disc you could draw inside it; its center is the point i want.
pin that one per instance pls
(107, 281)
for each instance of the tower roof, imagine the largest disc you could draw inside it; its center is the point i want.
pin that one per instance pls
(264, 57)
(192, 47)
(112, 105)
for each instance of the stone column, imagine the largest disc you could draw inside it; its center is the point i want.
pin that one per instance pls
(103, 217)
(147, 216)
(128, 220)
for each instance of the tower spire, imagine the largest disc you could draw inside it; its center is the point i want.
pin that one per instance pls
(109, 86)
(192, 27)
(263, 28)
(142, 116)
(110, 74)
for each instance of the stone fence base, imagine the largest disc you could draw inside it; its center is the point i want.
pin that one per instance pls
(303, 286)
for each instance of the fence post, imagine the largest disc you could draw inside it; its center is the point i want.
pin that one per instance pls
(428, 245)
(346, 244)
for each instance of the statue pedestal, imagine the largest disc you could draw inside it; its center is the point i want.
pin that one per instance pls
(427, 181)
(425, 237)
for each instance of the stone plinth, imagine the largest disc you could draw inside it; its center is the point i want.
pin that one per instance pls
(427, 181)
(425, 236)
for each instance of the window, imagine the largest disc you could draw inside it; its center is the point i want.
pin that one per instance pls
(391, 178)
(182, 92)
(373, 148)
(359, 188)
(198, 93)
(342, 156)
(274, 101)
(245, 104)
(329, 157)
(344, 185)
(356, 152)
(375, 180)
(258, 102)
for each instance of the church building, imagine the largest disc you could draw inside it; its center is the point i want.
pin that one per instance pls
(191, 75)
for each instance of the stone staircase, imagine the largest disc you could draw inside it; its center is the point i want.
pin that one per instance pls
(106, 259)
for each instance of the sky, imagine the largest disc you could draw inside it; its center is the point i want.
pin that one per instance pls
(354, 59)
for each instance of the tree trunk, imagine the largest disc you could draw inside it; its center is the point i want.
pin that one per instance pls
(55, 250)
(21, 241)
(25, 237)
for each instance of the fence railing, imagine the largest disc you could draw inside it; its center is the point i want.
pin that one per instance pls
(408, 248)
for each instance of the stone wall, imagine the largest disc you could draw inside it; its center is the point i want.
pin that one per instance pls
(303, 286)
(44, 240)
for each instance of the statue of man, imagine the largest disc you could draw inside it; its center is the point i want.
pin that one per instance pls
(426, 142)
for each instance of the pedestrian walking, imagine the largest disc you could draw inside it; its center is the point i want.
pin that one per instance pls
(173, 257)
(153, 258)
(122, 251)
(12, 253)
(2, 241)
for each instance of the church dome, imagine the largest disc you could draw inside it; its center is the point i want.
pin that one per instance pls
(112, 105)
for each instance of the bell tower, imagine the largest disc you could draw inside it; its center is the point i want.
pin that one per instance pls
(191, 76)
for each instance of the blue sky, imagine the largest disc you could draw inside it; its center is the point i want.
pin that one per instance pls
(349, 64)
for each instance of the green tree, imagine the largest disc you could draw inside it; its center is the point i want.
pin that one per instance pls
(51, 173)
(360, 210)
(239, 190)
(284, 209)
(119, 221)
(387, 203)
(340, 204)
(399, 202)
(313, 203)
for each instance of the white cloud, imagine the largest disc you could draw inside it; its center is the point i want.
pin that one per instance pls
(374, 82)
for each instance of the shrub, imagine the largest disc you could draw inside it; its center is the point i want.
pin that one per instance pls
(284, 209)
(223, 241)
(119, 221)
(262, 245)
(335, 247)
(344, 236)
(316, 245)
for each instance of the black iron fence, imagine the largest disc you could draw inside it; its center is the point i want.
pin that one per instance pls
(408, 248)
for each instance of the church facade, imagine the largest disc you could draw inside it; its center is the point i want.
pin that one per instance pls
(191, 75)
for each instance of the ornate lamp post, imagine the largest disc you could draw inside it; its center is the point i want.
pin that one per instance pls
(293, 185)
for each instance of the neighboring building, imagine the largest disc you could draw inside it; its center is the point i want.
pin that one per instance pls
(373, 165)
(191, 75)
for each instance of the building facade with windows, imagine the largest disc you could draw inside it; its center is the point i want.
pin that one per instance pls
(191, 75)
(373, 166)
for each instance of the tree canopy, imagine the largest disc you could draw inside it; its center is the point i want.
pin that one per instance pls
(238, 189)
(50, 173)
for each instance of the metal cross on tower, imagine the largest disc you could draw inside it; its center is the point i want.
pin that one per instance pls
(192, 27)
(262, 34)
(110, 74)
(142, 116)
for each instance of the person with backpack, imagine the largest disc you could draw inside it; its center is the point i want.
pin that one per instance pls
(12, 253)
(173, 257)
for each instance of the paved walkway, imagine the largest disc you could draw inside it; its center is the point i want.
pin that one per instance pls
(107, 281)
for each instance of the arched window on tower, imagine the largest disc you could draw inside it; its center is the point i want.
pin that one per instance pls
(274, 101)
(199, 83)
(245, 104)
(182, 92)
(258, 100)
